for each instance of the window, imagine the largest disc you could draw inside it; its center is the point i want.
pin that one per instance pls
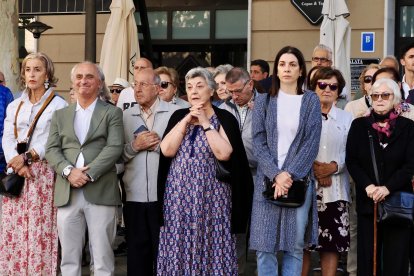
(191, 25)
(231, 24)
(407, 21)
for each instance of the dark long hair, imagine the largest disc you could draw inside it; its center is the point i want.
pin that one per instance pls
(302, 67)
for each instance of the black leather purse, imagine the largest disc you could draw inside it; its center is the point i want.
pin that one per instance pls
(11, 185)
(295, 197)
(397, 208)
(223, 170)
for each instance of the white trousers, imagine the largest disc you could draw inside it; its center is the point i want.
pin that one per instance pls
(72, 220)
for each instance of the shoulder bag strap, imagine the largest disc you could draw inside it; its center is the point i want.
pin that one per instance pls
(36, 119)
(15, 119)
(374, 163)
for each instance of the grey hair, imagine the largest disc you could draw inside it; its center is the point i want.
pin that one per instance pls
(203, 73)
(323, 47)
(222, 69)
(393, 59)
(391, 84)
(103, 92)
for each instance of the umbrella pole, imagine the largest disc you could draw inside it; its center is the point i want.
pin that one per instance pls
(374, 268)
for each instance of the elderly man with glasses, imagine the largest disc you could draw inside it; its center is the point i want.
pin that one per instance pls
(126, 98)
(240, 86)
(144, 125)
(116, 89)
(322, 56)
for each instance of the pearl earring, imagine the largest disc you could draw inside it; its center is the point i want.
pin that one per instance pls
(46, 84)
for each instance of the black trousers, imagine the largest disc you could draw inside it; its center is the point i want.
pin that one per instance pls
(143, 229)
(393, 245)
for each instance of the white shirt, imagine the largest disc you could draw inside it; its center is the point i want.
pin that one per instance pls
(24, 119)
(332, 148)
(126, 99)
(405, 86)
(81, 125)
(288, 113)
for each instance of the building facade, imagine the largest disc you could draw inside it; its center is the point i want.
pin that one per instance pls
(217, 32)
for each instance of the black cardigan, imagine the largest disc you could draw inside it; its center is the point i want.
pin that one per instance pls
(395, 163)
(241, 183)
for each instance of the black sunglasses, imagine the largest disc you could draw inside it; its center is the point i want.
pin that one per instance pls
(117, 91)
(368, 79)
(322, 85)
(164, 84)
(384, 96)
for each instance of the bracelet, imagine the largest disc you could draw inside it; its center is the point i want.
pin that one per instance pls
(35, 156)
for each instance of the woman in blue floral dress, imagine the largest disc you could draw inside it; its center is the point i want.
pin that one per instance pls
(199, 226)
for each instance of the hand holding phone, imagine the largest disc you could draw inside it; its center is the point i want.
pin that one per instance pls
(140, 129)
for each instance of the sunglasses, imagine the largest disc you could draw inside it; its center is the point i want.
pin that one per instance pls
(117, 91)
(322, 85)
(368, 79)
(384, 96)
(164, 84)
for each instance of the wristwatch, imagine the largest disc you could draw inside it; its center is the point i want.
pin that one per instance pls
(210, 127)
(66, 171)
(28, 158)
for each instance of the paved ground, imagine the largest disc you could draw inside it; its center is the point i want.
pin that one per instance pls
(120, 266)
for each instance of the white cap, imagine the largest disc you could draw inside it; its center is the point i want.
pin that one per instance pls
(119, 82)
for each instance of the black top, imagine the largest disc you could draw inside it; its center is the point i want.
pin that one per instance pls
(395, 162)
(241, 182)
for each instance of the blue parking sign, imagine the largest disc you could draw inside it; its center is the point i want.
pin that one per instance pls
(367, 42)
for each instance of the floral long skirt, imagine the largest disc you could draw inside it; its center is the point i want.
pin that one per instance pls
(29, 240)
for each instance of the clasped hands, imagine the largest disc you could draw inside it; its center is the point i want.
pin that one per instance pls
(197, 116)
(323, 172)
(282, 183)
(18, 166)
(78, 177)
(377, 193)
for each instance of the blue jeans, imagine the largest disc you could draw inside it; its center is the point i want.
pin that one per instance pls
(267, 264)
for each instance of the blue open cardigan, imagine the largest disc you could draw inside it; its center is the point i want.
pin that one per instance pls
(273, 228)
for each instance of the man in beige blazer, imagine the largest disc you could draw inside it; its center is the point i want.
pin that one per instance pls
(85, 141)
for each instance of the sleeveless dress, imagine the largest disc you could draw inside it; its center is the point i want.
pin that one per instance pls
(196, 237)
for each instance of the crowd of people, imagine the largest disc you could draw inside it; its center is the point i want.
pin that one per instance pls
(189, 170)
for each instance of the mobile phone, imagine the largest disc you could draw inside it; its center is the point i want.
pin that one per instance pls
(140, 129)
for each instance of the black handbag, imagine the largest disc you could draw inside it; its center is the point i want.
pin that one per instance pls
(223, 170)
(295, 197)
(397, 208)
(11, 185)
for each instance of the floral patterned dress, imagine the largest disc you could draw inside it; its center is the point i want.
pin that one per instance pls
(29, 240)
(196, 238)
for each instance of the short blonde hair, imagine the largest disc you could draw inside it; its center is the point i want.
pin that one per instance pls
(47, 62)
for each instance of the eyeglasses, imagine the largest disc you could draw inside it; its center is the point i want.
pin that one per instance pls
(142, 84)
(321, 59)
(238, 90)
(116, 90)
(322, 85)
(164, 84)
(384, 96)
(368, 79)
